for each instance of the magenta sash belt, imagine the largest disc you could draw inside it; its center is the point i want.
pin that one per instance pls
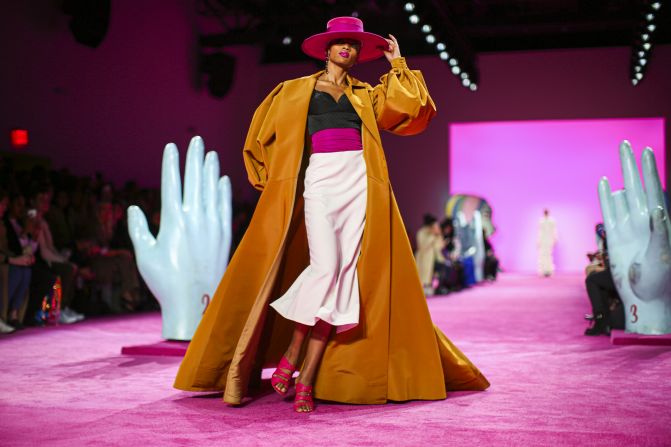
(336, 140)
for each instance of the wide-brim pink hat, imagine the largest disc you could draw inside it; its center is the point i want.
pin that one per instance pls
(372, 45)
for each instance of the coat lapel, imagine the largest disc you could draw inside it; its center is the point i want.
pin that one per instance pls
(292, 120)
(358, 95)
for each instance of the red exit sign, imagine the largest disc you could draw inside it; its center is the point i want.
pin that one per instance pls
(19, 138)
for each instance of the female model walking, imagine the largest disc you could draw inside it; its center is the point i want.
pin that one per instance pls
(324, 280)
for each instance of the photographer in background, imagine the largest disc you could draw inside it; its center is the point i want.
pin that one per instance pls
(607, 310)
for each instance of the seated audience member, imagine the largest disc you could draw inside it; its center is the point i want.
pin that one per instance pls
(110, 266)
(465, 233)
(19, 270)
(607, 310)
(429, 247)
(451, 271)
(55, 261)
(56, 217)
(491, 261)
(22, 234)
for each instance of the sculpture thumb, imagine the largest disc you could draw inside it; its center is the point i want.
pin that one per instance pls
(650, 274)
(138, 230)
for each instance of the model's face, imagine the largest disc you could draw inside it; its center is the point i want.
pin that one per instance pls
(344, 52)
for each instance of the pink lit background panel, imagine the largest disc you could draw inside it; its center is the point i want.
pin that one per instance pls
(522, 167)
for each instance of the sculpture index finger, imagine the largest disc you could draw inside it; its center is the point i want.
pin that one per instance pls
(171, 184)
(607, 206)
(193, 177)
(210, 179)
(653, 185)
(632, 182)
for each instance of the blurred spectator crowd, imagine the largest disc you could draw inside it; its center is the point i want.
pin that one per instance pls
(449, 254)
(62, 231)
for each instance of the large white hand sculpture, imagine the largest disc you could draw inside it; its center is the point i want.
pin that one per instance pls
(185, 263)
(639, 244)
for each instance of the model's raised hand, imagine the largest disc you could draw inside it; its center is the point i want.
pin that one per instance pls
(393, 51)
(183, 265)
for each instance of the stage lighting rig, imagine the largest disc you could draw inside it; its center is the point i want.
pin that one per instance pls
(445, 38)
(642, 48)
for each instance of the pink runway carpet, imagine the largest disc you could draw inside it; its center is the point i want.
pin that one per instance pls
(551, 386)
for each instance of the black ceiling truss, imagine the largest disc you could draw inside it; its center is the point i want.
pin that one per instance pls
(644, 38)
(466, 27)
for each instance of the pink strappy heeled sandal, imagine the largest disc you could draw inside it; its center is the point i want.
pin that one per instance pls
(281, 376)
(303, 398)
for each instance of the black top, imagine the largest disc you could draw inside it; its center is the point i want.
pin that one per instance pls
(325, 113)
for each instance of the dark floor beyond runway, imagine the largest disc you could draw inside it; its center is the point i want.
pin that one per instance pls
(70, 386)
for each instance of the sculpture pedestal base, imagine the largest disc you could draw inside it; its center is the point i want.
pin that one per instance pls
(162, 348)
(618, 337)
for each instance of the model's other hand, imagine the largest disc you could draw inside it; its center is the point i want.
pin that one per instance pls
(639, 244)
(183, 265)
(393, 50)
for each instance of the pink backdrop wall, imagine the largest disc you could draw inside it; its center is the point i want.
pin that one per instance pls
(523, 167)
(113, 109)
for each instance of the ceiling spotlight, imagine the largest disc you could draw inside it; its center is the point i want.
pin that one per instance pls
(473, 86)
(647, 45)
(444, 55)
(642, 61)
(430, 38)
(656, 5)
(409, 7)
(426, 28)
(641, 53)
(650, 17)
(453, 61)
(286, 40)
(414, 19)
(456, 70)
(651, 27)
(637, 68)
(464, 75)
(440, 46)
(466, 82)
(639, 76)
(634, 81)
(645, 36)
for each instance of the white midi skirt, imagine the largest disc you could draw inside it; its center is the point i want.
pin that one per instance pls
(335, 213)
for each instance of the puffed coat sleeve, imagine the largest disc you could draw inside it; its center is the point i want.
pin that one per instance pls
(260, 135)
(401, 101)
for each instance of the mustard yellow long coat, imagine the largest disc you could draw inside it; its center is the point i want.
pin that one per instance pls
(395, 353)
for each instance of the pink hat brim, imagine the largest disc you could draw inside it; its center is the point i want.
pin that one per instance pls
(372, 45)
